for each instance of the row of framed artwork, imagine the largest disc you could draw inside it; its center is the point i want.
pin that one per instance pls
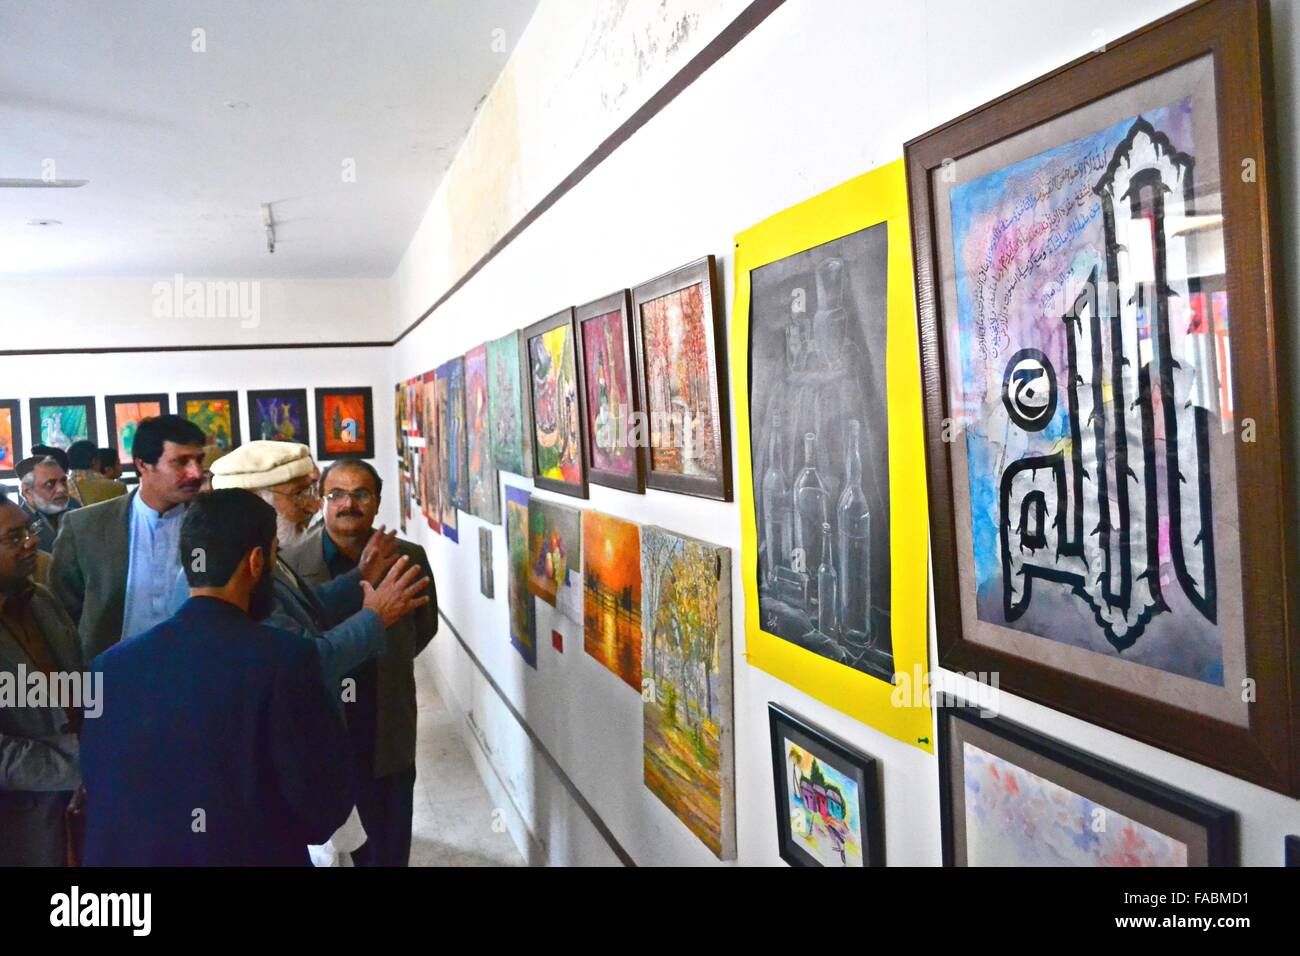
(345, 417)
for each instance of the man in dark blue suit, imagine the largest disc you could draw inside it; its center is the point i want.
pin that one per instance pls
(218, 744)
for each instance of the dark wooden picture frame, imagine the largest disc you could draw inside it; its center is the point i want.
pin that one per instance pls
(14, 407)
(111, 402)
(702, 272)
(35, 406)
(782, 725)
(183, 398)
(1219, 824)
(1266, 749)
(620, 302)
(298, 395)
(366, 393)
(1291, 855)
(564, 317)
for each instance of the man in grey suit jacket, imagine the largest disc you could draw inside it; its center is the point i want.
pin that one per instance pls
(39, 753)
(380, 704)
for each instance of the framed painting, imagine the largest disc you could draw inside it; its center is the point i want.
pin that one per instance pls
(484, 500)
(278, 414)
(448, 519)
(556, 405)
(1011, 797)
(486, 586)
(1291, 855)
(123, 413)
(399, 414)
(1104, 441)
(216, 413)
(615, 432)
(523, 621)
(511, 421)
(555, 555)
(689, 730)
(828, 406)
(611, 594)
(682, 375)
(58, 422)
(431, 470)
(11, 437)
(457, 439)
(828, 807)
(345, 419)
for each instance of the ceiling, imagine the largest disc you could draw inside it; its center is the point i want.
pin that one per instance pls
(116, 93)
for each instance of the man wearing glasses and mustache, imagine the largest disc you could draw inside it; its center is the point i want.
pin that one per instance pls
(381, 708)
(115, 564)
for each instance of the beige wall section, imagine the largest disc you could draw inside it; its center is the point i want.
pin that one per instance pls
(581, 68)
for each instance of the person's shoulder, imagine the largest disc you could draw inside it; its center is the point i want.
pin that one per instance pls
(88, 516)
(412, 550)
(304, 547)
(287, 646)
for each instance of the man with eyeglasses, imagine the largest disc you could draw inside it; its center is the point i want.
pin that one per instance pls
(381, 709)
(47, 496)
(39, 750)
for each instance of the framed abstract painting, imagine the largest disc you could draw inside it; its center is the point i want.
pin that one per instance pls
(430, 476)
(216, 414)
(615, 431)
(11, 437)
(1095, 273)
(345, 419)
(1011, 797)
(484, 499)
(682, 374)
(58, 422)
(457, 435)
(123, 413)
(448, 519)
(278, 414)
(507, 398)
(828, 807)
(828, 420)
(556, 405)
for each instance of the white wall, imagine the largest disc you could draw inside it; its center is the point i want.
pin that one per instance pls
(821, 91)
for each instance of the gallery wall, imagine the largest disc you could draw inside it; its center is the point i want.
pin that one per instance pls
(820, 92)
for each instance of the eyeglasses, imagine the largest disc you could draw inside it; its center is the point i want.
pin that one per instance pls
(19, 536)
(362, 496)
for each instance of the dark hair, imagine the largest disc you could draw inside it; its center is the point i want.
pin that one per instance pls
(49, 451)
(358, 463)
(107, 458)
(152, 432)
(219, 530)
(82, 454)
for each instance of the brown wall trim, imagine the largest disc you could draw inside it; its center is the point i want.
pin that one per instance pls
(106, 350)
(715, 50)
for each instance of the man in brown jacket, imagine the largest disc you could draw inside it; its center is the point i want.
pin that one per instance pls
(379, 696)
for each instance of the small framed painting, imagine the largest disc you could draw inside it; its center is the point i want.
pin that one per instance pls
(11, 437)
(278, 414)
(486, 585)
(345, 420)
(615, 431)
(216, 413)
(1012, 797)
(123, 413)
(523, 623)
(682, 373)
(58, 422)
(828, 809)
(556, 405)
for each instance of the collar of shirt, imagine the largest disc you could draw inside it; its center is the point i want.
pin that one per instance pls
(337, 562)
(154, 519)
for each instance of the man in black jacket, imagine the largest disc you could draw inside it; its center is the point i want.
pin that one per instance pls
(218, 744)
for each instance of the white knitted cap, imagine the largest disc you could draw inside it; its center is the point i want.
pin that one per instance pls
(262, 464)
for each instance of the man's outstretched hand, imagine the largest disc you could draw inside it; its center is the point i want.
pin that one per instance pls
(398, 593)
(379, 555)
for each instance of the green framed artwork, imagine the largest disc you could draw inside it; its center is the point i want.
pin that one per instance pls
(58, 422)
(216, 413)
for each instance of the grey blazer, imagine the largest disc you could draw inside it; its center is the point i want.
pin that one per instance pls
(39, 759)
(395, 727)
(88, 570)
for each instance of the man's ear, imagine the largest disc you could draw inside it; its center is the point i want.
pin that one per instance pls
(257, 563)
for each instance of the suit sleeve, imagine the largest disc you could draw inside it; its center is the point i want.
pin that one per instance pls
(310, 751)
(341, 597)
(66, 578)
(42, 763)
(344, 647)
(426, 618)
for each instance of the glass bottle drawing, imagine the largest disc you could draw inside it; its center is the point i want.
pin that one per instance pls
(777, 533)
(812, 508)
(826, 586)
(853, 519)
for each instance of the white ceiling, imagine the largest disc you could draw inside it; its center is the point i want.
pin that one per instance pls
(113, 92)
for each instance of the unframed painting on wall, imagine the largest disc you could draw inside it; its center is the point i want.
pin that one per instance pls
(486, 585)
(523, 624)
(484, 501)
(511, 423)
(611, 606)
(555, 556)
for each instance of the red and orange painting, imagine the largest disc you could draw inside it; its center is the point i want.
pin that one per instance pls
(611, 606)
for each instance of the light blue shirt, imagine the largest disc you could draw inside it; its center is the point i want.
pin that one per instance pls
(155, 562)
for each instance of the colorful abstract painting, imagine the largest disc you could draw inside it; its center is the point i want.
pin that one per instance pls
(507, 403)
(1017, 818)
(345, 417)
(58, 422)
(216, 414)
(555, 554)
(611, 605)
(457, 435)
(11, 437)
(124, 413)
(554, 370)
(613, 432)
(823, 807)
(447, 518)
(523, 625)
(430, 476)
(686, 656)
(278, 415)
(484, 501)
